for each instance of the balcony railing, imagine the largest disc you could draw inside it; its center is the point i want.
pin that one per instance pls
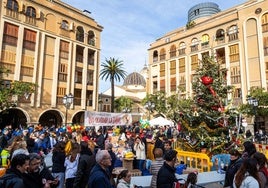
(12, 13)
(264, 27)
(233, 36)
(194, 48)
(182, 51)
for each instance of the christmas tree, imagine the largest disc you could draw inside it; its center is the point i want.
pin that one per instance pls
(210, 121)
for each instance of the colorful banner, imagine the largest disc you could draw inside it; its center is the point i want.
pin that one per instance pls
(107, 119)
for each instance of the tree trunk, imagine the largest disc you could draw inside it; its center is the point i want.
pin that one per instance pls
(112, 96)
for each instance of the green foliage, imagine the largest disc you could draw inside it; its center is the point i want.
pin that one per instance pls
(16, 88)
(159, 99)
(123, 102)
(262, 97)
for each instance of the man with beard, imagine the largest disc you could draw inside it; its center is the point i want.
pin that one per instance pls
(38, 176)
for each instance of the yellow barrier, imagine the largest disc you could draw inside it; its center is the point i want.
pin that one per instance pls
(199, 161)
(263, 148)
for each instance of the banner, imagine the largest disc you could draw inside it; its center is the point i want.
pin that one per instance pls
(107, 119)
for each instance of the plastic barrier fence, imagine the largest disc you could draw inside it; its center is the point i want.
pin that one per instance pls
(198, 161)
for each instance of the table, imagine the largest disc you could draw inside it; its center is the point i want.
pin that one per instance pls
(205, 177)
(202, 179)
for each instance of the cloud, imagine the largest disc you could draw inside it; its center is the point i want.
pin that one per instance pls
(130, 26)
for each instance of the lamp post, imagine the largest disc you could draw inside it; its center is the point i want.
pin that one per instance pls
(126, 110)
(254, 103)
(150, 107)
(67, 100)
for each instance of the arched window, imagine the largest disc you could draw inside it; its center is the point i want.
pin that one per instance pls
(162, 54)
(182, 48)
(233, 33)
(172, 52)
(31, 12)
(205, 40)
(220, 34)
(194, 45)
(80, 34)
(264, 22)
(155, 56)
(64, 25)
(91, 38)
(13, 5)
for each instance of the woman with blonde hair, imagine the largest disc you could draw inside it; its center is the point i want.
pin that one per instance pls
(71, 164)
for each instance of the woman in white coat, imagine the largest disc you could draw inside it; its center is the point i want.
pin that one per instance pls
(139, 148)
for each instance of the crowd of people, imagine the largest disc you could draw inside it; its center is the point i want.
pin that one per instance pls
(86, 158)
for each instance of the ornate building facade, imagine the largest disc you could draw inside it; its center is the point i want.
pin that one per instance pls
(56, 46)
(237, 37)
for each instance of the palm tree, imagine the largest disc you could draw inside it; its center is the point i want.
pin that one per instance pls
(112, 69)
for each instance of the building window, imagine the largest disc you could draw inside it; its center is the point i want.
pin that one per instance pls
(194, 62)
(10, 34)
(182, 65)
(12, 5)
(196, 12)
(172, 67)
(173, 85)
(234, 53)
(162, 85)
(205, 41)
(78, 76)
(220, 35)
(80, 34)
(194, 45)
(233, 33)
(29, 39)
(237, 93)
(264, 20)
(30, 15)
(91, 57)
(63, 70)
(235, 75)
(64, 49)
(91, 38)
(155, 56)
(162, 69)
(64, 25)
(172, 52)
(162, 54)
(154, 85)
(265, 46)
(90, 76)
(182, 48)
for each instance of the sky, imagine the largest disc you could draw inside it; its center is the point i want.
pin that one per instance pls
(130, 26)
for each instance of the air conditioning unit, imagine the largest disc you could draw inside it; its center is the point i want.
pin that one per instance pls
(71, 27)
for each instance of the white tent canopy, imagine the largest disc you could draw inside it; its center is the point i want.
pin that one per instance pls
(160, 121)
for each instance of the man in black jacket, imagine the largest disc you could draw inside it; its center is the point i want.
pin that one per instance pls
(85, 164)
(38, 175)
(166, 174)
(13, 176)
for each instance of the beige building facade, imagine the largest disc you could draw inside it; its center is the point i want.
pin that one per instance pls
(56, 46)
(237, 37)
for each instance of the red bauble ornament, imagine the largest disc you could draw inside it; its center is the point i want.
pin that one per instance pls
(206, 80)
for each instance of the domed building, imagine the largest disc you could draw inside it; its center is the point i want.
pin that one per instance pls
(134, 87)
(135, 81)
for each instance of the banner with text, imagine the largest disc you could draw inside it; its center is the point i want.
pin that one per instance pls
(107, 119)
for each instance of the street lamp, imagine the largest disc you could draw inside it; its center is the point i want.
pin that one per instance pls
(254, 103)
(67, 100)
(150, 107)
(126, 110)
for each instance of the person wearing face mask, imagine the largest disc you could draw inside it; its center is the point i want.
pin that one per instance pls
(38, 175)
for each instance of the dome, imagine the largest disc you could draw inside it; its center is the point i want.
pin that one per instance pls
(202, 10)
(134, 79)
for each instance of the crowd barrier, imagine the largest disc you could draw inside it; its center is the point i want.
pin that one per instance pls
(263, 148)
(200, 161)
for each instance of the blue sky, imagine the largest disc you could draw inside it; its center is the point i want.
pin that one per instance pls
(130, 26)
